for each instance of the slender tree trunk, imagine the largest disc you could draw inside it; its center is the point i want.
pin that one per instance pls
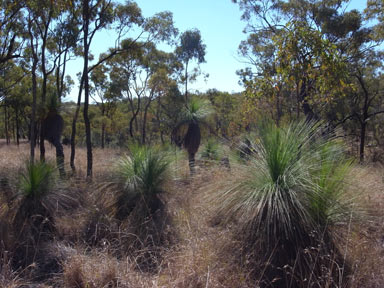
(102, 126)
(362, 140)
(17, 126)
(102, 135)
(278, 109)
(14, 131)
(6, 125)
(74, 121)
(86, 89)
(34, 92)
(159, 120)
(33, 115)
(42, 146)
(145, 122)
(186, 81)
(308, 112)
(363, 121)
(134, 118)
(44, 88)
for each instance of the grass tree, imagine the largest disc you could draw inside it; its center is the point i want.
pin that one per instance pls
(53, 125)
(38, 199)
(142, 175)
(286, 201)
(188, 131)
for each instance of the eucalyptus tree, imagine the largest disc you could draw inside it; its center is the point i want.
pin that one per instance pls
(189, 48)
(104, 98)
(14, 87)
(136, 76)
(124, 19)
(11, 29)
(364, 103)
(292, 47)
(42, 22)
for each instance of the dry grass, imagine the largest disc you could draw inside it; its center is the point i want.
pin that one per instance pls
(200, 254)
(13, 157)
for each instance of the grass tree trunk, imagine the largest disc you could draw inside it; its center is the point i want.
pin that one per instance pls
(191, 162)
(192, 142)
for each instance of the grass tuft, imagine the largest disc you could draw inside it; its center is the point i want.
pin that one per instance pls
(286, 200)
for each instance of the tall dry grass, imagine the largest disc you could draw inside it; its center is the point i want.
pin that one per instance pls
(201, 254)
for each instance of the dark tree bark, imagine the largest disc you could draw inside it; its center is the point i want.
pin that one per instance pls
(73, 134)
(17, 126)
(34, 91)
(87, 123)
(6, 124)
(44, 36)
(53, 129)
(102, 126)
(143, 139)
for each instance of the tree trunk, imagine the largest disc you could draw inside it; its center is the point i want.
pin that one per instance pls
(86, 89)
(74, 121)
(33, 115)
(44, 88)
(145, 122)
(308, 112)
(278, 109)
(362, 140)
(134, 118)
(42, 146)
(59, 156)
(191, 160)
(6, 125)
(102, 135)
(17, 126)
(186, 81)
(102, 126)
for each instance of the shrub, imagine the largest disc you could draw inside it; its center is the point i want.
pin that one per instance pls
(39, 197)
(285, 202)
(144, 222)
(142, 176)
(211, 150)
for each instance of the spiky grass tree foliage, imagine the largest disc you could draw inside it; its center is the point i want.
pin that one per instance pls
(142, 175)
(34, 210)
(188, 131)
(35, 184)
(286, 201)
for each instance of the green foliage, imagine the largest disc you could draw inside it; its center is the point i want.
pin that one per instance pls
(211, 150)
(328, 203)
(197, 110)
(37, 180)
(292, 189)
(191, 46)
(142, 175)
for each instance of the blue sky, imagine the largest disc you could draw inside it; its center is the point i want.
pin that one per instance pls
(221, 30)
